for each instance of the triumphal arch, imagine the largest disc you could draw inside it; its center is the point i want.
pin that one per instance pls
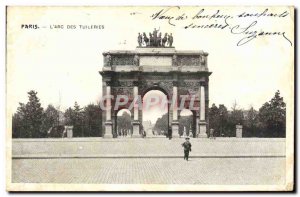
(179, 74)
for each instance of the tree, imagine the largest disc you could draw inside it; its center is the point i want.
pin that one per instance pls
(17, 125)
(124, 124)
(51, 117)
(224, 129)
(214, 119)
(235, 117)
(78, 121)
(27, 121)
(219, 121)
(272, 117)
(250, 128)
(92, 121)
(161, 125)
(69, 116)
(75, 118)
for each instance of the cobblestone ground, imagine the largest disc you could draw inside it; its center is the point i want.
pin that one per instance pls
(148, 147)
(150, 170)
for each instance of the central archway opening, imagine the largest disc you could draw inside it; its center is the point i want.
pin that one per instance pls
(123, 126)
(155, 120)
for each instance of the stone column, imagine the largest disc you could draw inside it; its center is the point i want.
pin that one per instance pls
(202, 122)
(175, 123)
(108, 122)
(136, 122)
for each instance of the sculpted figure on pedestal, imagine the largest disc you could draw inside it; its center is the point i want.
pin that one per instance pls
(140, 40)
(107, 59)
(170, 40)
(136, 60)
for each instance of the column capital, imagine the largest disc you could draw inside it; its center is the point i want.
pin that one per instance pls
(175, 83)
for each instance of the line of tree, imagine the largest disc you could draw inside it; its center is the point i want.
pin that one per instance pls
(32, 121)
(124, 126)
(185, 122)
(268, 121)
(161, 125)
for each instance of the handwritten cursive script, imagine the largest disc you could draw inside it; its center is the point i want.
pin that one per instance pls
(244, 23)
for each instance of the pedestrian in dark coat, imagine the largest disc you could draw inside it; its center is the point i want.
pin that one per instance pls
(170, 133)
(187, 146)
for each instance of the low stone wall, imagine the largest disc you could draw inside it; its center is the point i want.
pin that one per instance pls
(146, 147)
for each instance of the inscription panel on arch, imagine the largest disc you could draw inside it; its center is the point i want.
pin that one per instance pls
(155, 61)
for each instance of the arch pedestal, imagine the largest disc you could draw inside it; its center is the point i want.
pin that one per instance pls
(108, 129)
(175, 129)
(136, 132)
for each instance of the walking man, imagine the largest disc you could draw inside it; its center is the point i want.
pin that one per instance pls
(187, 146)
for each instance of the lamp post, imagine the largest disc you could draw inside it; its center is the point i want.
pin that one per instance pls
(221, 124)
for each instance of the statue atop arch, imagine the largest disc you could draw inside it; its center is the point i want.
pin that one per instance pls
(155, 39)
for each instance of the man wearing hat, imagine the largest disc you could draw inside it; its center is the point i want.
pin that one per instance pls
(187, 148)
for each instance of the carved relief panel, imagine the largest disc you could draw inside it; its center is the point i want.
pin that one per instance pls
(122, 60)
(188, 60)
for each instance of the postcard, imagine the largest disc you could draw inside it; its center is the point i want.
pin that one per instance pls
(165, 98)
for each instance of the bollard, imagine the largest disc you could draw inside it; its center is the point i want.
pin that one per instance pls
(69, 130)
(239, 131)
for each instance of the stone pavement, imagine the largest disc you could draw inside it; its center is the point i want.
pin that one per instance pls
(151, 160)
(148, 147)
(241, 171)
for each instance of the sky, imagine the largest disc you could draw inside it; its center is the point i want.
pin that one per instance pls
(154, 112)
(63, 65)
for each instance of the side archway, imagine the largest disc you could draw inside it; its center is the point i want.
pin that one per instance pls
(123, 123)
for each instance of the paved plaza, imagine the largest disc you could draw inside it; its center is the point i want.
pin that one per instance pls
(147, 147)
(150, 171)
(144, 161)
